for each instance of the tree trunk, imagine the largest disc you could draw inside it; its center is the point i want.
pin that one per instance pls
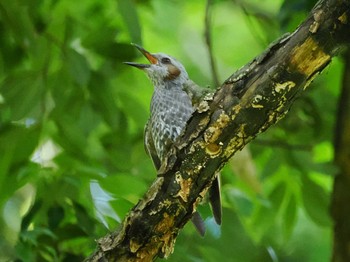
(340, 208)
(247, 103)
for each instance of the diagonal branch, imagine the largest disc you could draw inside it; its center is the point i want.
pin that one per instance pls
(249, 102)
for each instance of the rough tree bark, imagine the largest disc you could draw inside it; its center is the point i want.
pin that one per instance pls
(247, 103)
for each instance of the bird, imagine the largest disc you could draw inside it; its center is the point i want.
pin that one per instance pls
(173, 102)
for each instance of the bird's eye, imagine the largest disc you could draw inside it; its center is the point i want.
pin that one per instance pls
(165, 60)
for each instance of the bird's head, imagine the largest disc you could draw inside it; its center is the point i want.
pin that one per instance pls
(163, 69)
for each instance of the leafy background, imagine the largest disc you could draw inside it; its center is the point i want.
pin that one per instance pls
(72, 161)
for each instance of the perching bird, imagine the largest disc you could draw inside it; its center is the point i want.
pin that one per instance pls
(173, 102)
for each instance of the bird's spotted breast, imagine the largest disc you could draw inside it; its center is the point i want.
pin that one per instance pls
(170, 111)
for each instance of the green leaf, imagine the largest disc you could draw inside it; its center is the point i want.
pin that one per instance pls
(263, 218)
(290, 216)
(85, 220)
(124, 186)
(65, 94)
(78, 67)
(128, 12)
(25, 252)
(18, 19)
(239, 199)
(48, 253)
(55, 215)
(272, 164)
(33, 236)
(133, 108)
(11, 53)
(316, 202)
(103, 43)
(17, 143)
(277, 195)
(28, 218)
(39, 52)
(71, 137)
(121, 206)
(266, 212)
(69, 231)
(22, 94)
(101, 94)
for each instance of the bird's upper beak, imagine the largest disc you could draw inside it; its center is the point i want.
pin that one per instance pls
(151, 58)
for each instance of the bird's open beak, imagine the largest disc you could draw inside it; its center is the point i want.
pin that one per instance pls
(152, 59)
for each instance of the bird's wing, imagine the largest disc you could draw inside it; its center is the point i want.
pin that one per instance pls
(149, 146)
(195, 92)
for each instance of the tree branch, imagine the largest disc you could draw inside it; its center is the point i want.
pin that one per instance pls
(207, 36)
(250, 101)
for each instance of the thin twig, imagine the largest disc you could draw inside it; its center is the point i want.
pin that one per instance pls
(207, 35)
(249, 20)
(282, 144)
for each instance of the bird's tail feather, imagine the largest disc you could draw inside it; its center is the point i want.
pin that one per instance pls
(215, 199)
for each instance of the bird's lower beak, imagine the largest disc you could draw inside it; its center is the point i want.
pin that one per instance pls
(140, 66)
(151, 58)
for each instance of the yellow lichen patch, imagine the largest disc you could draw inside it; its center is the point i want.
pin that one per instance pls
(167, 239)
(343, 18)
(222, 120)
(148, 251)
(235, 111)
(316, 24)
(284, 87)
(134, 246)
(213, 149)
(185, 185)
(203, 106)
(318, 15)
(256, 101)
(166, 203)
(168, 244)
(275, 115)
(308, 58)
(209, 133)
(237, 142)
(194, 169)
(165, 224)
(193, 147)
(214, 131)
(204, 121)
(237, 108)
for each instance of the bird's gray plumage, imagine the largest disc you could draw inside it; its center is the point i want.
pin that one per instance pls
(170, 110)
(174, 100)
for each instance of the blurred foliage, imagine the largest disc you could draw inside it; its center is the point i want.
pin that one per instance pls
(71, 129)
